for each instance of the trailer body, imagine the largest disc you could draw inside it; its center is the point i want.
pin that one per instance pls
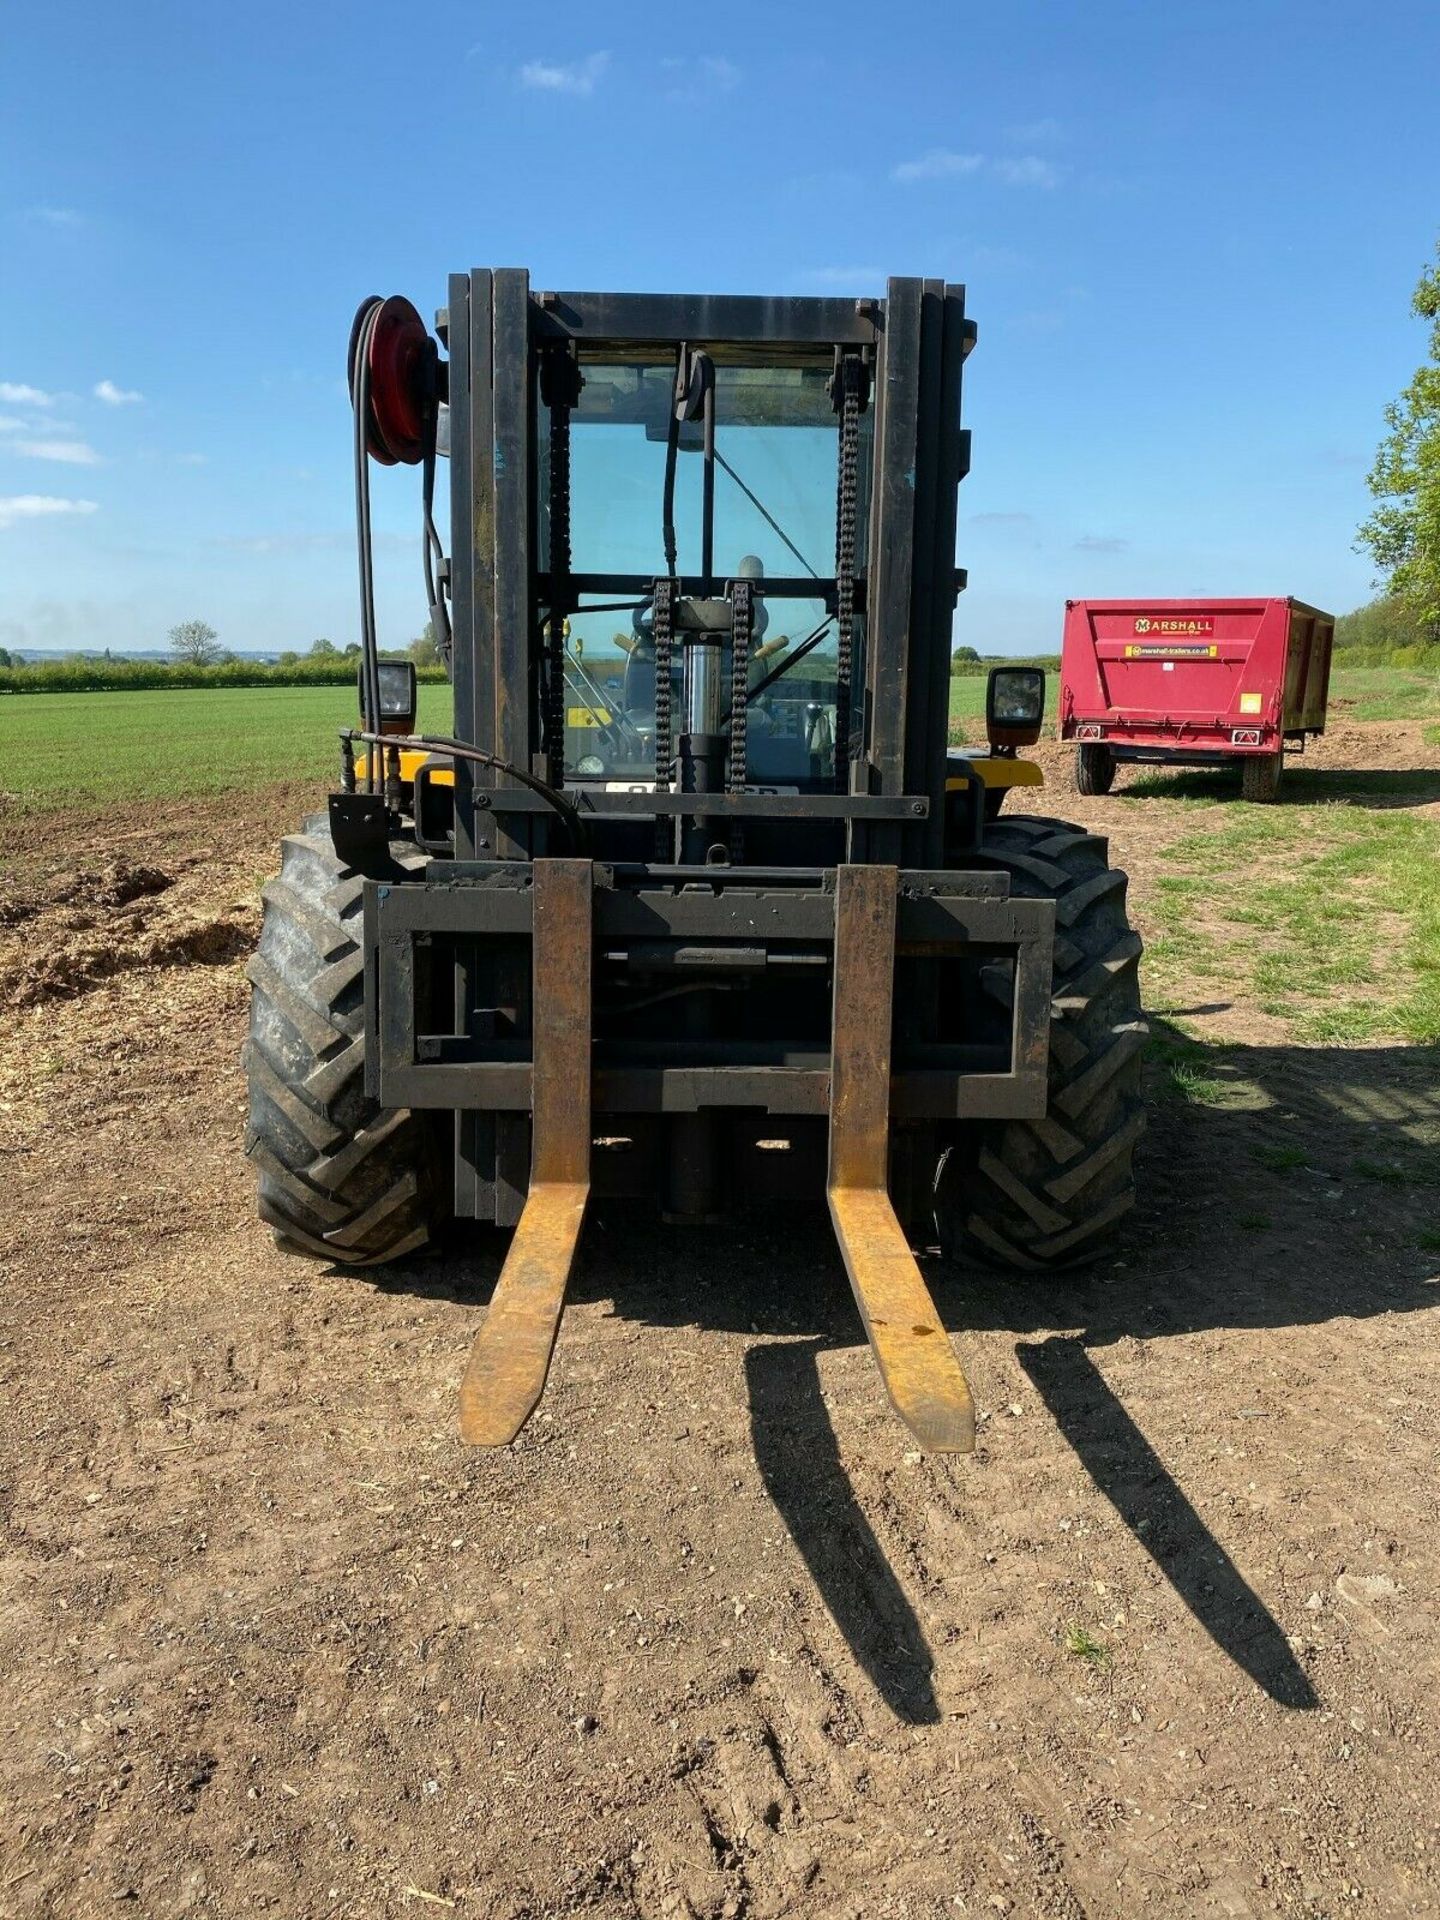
(1194, 682)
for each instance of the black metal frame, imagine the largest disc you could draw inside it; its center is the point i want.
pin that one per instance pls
(750, 916)
(420, 937)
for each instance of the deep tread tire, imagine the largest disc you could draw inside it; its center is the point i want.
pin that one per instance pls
(340, 1178)
(1050, 1193)
(1260, 776)
(1094, 769)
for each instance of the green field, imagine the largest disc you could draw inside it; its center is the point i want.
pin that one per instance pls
(89, 749)
(77, 749)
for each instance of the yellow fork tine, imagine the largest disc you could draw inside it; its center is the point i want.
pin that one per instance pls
(510, 1358)
(912, 1349)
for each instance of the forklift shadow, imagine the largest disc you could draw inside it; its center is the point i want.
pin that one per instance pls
(799, 1460)
(1316, 1201)
(1378, 789)
(1301, 1169)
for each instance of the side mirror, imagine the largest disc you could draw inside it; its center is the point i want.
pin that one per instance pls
(398, 695)
(1014, 706)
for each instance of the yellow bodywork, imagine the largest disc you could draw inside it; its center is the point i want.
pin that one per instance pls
(1002, 773)
(993, 770)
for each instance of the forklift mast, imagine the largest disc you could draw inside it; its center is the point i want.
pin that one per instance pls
(689, 456)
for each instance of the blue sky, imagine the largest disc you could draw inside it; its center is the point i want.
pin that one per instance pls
(1189, 232)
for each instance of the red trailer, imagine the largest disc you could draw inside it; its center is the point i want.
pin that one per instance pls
(1192, 683)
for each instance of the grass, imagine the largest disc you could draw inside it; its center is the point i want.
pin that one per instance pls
(1328, 916)
(1254, 1222)
(63, 749)
(1282, 1159)
(1381, 1172)
(1081, 1644)
(1429, 1239)
(967, 708)
(1191, 1072)
(1385, 693)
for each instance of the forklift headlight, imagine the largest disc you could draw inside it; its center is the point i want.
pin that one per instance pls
(397, 695)
(1014, 705)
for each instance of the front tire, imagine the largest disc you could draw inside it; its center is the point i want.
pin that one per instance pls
(1049, 1193)
(1094, 769)
(340, 1177)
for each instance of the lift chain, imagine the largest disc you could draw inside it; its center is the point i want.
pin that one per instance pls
(560, 385)
(660, 633)
(742, 614)
(850, 379)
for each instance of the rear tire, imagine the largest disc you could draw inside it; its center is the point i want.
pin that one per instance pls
(1049, 1193)
(1260, 776)
(1094, 769)
(340, 1177)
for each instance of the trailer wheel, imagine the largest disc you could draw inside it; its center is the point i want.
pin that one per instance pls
(1049, 1193)
(1260, 776)
(1094, 769)
(340, 1178)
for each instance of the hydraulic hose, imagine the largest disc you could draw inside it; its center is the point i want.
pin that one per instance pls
(362, 336)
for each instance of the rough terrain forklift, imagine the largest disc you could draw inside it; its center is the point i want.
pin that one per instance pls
(693, 903)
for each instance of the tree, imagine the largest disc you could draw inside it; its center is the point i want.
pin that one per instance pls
(6, 658)
(287, 659)
(195, 643)
(322, 650)
(1403, 533)
(423, 650)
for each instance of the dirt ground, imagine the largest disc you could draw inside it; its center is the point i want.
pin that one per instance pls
(711, 1639)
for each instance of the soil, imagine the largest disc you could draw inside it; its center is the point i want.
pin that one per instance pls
(711, 1638)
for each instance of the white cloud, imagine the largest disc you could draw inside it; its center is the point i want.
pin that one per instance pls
(37, 506)
(114, 396)
(72, 453)
(55, 216)
(1029, 170)
(1101, 543)
(18, 395)
(10, 424)
(939, 164)
(1023, 170)
(572, 76)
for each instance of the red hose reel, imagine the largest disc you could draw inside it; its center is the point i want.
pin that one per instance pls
(400, 387)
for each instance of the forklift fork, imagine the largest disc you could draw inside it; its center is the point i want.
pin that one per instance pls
(510, 1357)
(912, 1349)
